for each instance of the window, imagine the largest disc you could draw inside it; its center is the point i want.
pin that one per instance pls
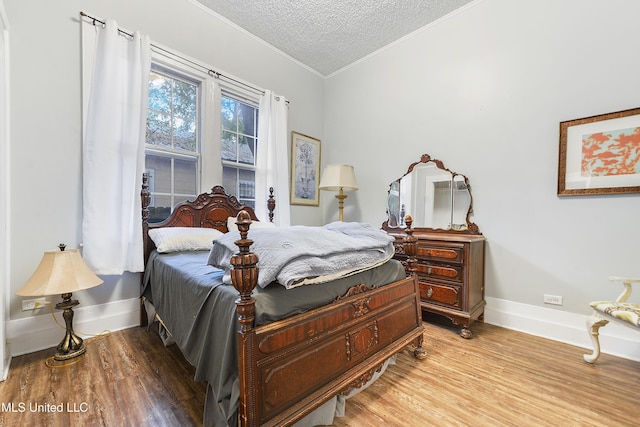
(239, 142)
(181, 147)
(172, 141)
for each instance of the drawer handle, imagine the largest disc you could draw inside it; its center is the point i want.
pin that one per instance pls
(429, 292)
(428, 270)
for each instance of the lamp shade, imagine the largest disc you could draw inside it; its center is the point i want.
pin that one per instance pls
(60, 272)
(338, 176)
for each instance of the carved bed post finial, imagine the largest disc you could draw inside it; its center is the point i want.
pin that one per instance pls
(410, 244)
(245, 272)
(271, 204)
(410, 247)
(145, 197)
(244, 277)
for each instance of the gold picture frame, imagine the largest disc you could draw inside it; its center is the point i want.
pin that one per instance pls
(305, 170)
(600, 154)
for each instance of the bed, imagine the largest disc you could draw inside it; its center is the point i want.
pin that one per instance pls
(264, 365)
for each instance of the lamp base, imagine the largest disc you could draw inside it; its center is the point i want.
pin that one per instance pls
(341, 196)
(71, 345)
(70, 354)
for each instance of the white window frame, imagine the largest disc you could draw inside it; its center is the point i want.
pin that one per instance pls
(175, 153)
(207, 141)
(248, 98)
(211, 90)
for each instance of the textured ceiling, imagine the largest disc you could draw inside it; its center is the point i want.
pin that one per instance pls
(327, 35)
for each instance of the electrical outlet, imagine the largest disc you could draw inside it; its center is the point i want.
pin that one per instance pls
(552, 299)
(32, 304)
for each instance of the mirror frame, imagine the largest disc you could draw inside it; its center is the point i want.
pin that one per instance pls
(472, 228)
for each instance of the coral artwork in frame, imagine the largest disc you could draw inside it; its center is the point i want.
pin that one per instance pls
(600, 154)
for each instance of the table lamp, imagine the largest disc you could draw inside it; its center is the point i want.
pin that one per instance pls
(62, 272)
(341, 178)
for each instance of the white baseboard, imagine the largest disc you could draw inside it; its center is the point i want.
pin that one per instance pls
(41, 332)
(569, 328)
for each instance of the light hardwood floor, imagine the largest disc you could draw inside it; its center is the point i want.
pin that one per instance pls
(498, 378)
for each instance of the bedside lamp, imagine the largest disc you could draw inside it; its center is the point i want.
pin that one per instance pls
(62, 272)
(339, 178)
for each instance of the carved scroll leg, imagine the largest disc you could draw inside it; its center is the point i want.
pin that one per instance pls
(419, 352)
(594, 323)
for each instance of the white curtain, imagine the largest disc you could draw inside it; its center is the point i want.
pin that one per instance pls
(210, 147)
(113, 152)
(272, 160)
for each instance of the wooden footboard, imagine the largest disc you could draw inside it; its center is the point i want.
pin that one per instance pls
(290, 367)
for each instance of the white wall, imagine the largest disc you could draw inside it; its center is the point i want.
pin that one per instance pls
(4, 188)
(46, 184)
(484, 91)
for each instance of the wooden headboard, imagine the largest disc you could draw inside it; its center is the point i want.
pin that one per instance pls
(208, 210)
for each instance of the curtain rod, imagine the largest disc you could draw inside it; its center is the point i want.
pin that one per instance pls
(208, 70)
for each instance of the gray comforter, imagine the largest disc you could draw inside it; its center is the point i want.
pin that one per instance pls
(300, 255)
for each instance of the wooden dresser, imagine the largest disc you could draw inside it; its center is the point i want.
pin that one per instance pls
(450, 269)
(447, 247)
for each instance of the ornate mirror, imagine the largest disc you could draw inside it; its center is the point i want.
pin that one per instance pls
(435, 197)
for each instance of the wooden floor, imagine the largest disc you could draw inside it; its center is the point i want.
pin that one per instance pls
(498, 378)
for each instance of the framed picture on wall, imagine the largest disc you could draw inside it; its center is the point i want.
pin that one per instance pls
(305, 170)
(600, 154)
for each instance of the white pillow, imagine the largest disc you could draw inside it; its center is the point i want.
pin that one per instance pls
(175, 239)
(231, 224)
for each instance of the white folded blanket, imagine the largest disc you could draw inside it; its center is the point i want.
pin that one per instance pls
(299, 255)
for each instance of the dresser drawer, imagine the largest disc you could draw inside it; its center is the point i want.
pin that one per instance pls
(426, 250)
(450, 270)
(450, 296)
(440, 271)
